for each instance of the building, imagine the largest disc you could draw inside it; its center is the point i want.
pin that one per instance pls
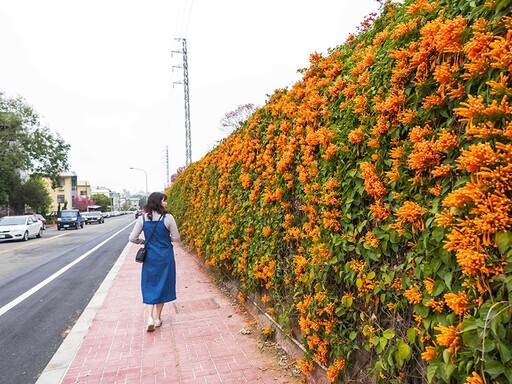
(62, 196)
(83, 189)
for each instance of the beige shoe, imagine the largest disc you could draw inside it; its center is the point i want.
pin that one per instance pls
(150, 326)
(158, 323)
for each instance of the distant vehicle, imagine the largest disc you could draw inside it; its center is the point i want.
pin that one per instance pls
(70, 218)
(20, 227)
(93, 217)
(138, 212)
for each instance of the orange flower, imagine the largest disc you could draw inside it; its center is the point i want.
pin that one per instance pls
(423, 156)
(265, 299)
(413, 295)
(379, 211)
(471, 262)
(421, 5)
(446, 141)
(372, 183)
(306, 366)
(437, 306)
(477, 156)
(429, 285)
(371, 240)
(476, 50)
(436, 190)
(335, 369)
(429, 354)
(411, 212)
(449, 337)
(443, 73)
(472, 109)
(441, 170)
(433, 101)
(457, 302)
(474, 379)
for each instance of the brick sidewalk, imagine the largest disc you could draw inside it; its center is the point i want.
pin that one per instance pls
(199, 341)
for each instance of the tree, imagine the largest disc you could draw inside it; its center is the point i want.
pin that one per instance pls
(82, 202)
(177, 173)
(104, 201)
(27, 147)
(32, 193)
(235, 119)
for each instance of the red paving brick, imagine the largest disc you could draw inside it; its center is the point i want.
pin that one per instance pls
(199, 340)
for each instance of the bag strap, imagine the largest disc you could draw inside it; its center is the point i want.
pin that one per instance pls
(153, 231)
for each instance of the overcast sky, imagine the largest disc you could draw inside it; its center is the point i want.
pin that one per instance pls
(100, 73)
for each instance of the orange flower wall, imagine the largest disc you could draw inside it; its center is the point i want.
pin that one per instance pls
(370, 204)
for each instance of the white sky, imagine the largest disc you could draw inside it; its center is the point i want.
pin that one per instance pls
(100, 72)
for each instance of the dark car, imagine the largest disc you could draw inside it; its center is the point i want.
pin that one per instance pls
(70, 218)
(138, 213)
(93, 217)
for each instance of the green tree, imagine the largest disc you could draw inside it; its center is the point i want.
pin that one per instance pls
(104, 201)
(27, 146)
(32, 194)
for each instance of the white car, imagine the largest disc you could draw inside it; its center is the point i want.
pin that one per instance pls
(20, 228)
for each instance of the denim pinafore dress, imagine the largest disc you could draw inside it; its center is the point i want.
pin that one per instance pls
(158, 276)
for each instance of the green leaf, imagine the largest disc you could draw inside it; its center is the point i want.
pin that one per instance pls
(504, 241)
(431, 372)
(403, 352)
(448, 280)
(438, 288)
(352, 335)
(411, 335)
(450, 368)
(388, 334)
(382, 344)
(505, 353)
(494, 368)
(438, 234)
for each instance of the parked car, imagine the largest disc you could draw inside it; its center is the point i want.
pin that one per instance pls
(93, 217)
(70, 218)
(20, 227)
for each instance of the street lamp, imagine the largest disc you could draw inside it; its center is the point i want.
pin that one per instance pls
(138, 169)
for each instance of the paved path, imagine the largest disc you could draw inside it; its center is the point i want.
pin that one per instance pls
(199, 341)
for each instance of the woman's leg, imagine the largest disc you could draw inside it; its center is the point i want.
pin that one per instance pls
(149, 314)
(158, 313)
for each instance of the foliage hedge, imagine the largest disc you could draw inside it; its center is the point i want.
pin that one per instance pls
(369, 205)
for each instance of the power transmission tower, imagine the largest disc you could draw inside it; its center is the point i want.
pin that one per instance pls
(188, 140)
(166, 160)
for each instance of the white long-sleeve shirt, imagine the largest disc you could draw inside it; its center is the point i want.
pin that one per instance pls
(169, 222)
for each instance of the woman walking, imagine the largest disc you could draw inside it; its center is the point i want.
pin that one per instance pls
(158, 277)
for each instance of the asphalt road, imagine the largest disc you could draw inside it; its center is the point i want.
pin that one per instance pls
(45, 284)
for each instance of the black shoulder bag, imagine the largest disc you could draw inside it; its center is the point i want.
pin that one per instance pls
(141, 253)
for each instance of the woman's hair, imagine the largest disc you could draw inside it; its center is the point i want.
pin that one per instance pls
(154, 204)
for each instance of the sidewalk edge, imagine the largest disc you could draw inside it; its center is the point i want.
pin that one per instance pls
(60, 362)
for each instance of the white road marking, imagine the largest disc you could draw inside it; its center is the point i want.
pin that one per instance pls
(49, 279)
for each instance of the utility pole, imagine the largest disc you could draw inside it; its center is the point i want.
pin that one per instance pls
(167, 176)
(188, 140)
